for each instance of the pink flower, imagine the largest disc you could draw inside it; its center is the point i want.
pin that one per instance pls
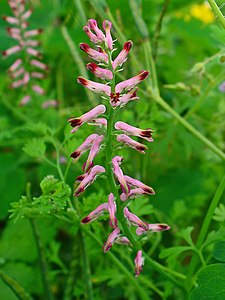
(84, 146)
(131, 95)
(50, 103)
(116, 161)
(133, 193)
(123, 138)
(88, 179)
(95, 213)
(15, 65)
(94, 54)
(25, 100)
(107, 25)
(139, 262)
(93, 37)
(33, 32)
(100, 72)
(96, 87)
(131, 130)
(38, 64)
(134, 220)
(112, 211)
(111, 239)
(39, 90)
(99, 122)
(87, 117)
(95, 148)
(11, 50)
(132, 82)
(122, 57)
(136, 183)
(152, 228)
(122, 240)
(92, 24)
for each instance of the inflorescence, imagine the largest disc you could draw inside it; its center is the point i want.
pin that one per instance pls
(116, 97)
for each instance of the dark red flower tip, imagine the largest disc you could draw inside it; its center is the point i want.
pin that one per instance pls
(141, 148)
(143, 74)
(149, 190)
(75, 122)
(85, 220)
(106, 249)
(75, 154)
(4, 53)
(84, 47)
(164, 227)
(82, 80)
(80, 178)
(146, 133)
(78, 192)
(127, 46)
(92, 67)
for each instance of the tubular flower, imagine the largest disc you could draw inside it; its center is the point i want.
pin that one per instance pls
(123, 138)
(88, 179)
(111, 239)
(123, 188)
(131, 130)
(23, 70)
(95, 213)
(139, 262)
(87, 117)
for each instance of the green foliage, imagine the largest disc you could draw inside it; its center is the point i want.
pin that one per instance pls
(35, 148)
(211, 282)
(54, 199)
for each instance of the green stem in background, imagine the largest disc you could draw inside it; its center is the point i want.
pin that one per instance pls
(217, 12)
(189, 127)
(16, 288)
(81, 11)
(211, 85)
(205, 227)
(40, 250)
(117, 262)
(78, 61)
(158, 28)
(86, 267)
(70, 282)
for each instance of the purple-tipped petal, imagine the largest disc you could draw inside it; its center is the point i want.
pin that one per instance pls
(112, 211)
(131, 130)
(111, 239)
(152, 228)
(123, 138)
(122, 56)
(84, 146)
(107, 25)
(133, 219)
(132, 82)
(100, 72)
(136, 183)
(96, 87)
(95, 148)
(139, 262)
(92, 24)
(94, 54)
(116, 161)
(95, 213)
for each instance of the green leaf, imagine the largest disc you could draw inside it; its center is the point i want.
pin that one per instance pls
(219, 214)
(173, 252)
(218, 251)
(210, 283)
(35, 147)
(186, 235)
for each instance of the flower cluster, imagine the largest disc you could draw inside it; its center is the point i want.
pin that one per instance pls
(115, 96)
(27, 69)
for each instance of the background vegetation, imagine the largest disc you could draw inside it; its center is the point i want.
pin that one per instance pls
(43, 249)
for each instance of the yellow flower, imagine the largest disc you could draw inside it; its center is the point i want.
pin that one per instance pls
(202, 12)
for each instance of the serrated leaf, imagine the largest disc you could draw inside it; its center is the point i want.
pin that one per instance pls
(219, 251)
(219, 214)
(35, 147)
(214, 236)
(210, 283)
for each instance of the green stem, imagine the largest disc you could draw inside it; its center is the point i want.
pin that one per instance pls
(77, 60)
(41, 251)
(188, 126)
(17, 289)
(117, 262)
(205, 227)
(217, 12)
(198, 104)
(86, 268)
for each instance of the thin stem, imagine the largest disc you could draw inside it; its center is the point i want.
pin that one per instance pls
(198, 104)
(41, 251)
(205, 226)
(16, 288)
(117, 262)
(189, 127)
(86, 267)
(77, 60)
(158, 28)
(217, 12)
